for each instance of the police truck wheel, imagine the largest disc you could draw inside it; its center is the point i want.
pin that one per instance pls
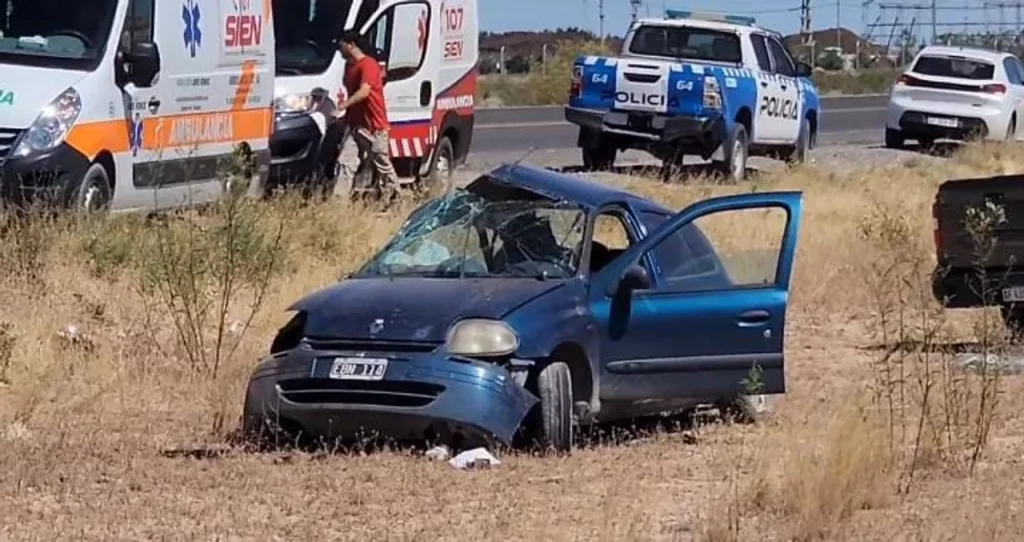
(734, 163)
(93, 193)
(798, 153)
(600, 158)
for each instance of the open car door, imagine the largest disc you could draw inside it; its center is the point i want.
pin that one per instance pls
(697, 309)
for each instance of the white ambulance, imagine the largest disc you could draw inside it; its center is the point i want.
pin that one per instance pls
(131, 104)
(429, 49)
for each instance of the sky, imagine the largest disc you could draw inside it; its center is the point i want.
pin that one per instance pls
(780, 15)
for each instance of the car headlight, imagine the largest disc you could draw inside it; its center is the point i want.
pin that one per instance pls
(477, 337)
(52, 125)
(294, 103)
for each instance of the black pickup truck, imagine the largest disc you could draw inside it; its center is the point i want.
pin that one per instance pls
(981, 269)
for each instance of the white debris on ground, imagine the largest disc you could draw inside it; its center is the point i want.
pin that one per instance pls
(476, 458)
(991, 364)
(438, 453)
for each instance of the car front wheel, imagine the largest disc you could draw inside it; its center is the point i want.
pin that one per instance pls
(555, 424)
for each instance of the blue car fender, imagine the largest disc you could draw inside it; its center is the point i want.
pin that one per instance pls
(560, 323)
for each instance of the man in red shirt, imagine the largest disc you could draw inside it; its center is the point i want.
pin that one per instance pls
(365, 110)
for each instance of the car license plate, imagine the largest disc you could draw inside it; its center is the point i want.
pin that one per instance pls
(946, 123)
(358, 369)
(1015, 293)
(640, 122)
(616, 119)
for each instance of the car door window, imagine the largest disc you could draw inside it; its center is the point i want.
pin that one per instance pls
(783, 63)
(724, 250)
(1013, 73)
(391, 37)
(761, 52)
(1020, 68)
(612, 236)
(138, 27)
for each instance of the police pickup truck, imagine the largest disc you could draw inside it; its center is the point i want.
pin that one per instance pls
(717, 86)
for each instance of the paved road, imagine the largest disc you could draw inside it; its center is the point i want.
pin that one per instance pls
(846, 119)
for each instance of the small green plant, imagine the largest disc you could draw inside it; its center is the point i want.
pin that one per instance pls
(199, 269)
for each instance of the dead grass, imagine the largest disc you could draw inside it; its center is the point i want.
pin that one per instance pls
(95, 384)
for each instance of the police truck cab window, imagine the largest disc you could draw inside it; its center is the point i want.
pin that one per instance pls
(960, 68)
(686, 42)
(55, 33)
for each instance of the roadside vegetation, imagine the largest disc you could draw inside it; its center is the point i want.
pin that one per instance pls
(126, 342)
(549, 84)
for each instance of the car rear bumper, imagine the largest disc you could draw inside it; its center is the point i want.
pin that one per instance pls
(707, 131)
(914, 120)
(420, 396)
(964, 288)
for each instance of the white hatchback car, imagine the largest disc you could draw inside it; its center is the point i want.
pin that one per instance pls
(957, 93)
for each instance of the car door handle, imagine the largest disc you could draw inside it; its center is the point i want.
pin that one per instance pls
(153, 103)
(753, 318)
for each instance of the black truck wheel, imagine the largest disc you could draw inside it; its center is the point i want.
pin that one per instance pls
(600, 158)
(797, 154)
(734, 162)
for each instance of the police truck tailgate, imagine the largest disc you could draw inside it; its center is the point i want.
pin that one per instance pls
(641, 85)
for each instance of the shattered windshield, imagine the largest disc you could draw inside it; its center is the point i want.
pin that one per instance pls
(55, 33)
(465, 235)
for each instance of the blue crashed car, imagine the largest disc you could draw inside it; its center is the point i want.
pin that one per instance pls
(502, 306)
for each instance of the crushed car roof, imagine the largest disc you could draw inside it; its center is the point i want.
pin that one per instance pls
(562, 186)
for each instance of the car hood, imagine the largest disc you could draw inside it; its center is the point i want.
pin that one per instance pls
(413, 309)
(30, 89)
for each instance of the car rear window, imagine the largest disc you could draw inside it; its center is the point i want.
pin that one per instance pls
(685, 42)
(957, 67)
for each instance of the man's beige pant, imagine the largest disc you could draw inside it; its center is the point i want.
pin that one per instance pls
(372, 147)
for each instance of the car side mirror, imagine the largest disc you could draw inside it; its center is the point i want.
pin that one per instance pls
(144, 63)
(804, 69)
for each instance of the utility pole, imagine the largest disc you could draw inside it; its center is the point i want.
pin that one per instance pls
(635, 6)
(935, 31)
(839, 28)
(600, 17)
(805, 21)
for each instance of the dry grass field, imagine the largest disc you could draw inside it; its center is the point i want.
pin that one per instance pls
(125, 340)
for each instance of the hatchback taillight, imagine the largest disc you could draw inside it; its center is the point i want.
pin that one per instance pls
(936, 231)
(905, 80)
(994, 88)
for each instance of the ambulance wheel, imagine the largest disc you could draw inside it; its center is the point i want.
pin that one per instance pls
(600, 158)
(440, 176)
(93, 193)
(734, 163)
